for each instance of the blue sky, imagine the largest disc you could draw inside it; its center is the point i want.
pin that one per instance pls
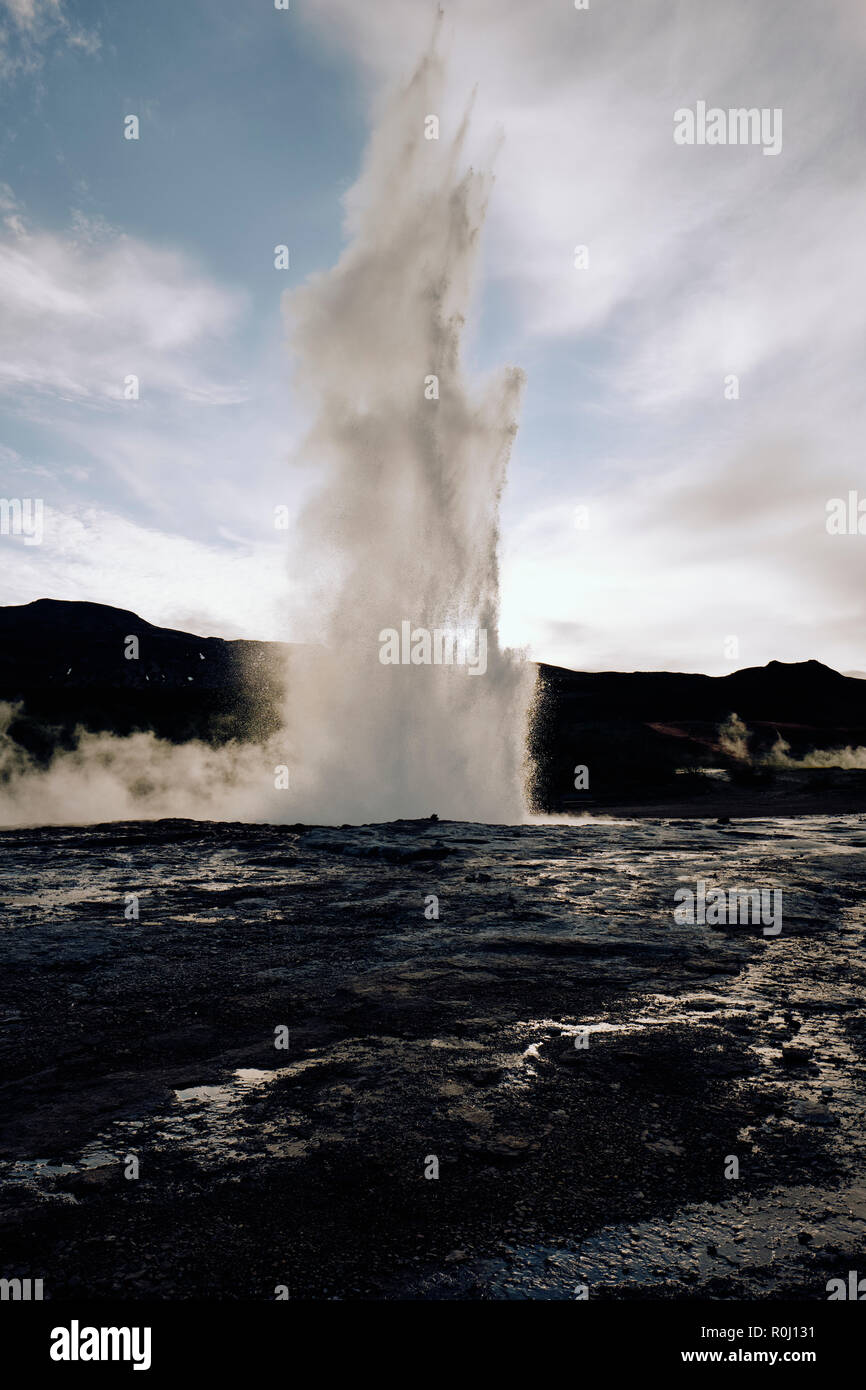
(249, 134)
(706, 516)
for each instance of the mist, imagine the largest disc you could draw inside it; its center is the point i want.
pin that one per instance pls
(734, 740)
(142, 777)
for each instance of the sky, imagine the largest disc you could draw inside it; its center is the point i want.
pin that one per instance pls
(656, 516)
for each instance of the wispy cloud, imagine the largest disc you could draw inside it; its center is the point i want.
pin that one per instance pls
(29, 28)
(703, 263)
(90, 553)
(84, 311)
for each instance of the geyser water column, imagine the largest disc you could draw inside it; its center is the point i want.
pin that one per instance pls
(402, 534)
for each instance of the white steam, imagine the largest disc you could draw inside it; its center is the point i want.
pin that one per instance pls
(104, 778)
(734, 740)
(405, 528)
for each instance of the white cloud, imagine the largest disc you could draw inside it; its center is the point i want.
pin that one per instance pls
(585, 102)
(676, 562)
(703, 262)
(82, 312)
(29, 14)
(92, 554)
(31, 27)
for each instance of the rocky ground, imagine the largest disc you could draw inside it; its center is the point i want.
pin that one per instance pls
(418, 1044)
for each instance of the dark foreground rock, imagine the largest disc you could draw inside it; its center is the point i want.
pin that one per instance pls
(420, 1044)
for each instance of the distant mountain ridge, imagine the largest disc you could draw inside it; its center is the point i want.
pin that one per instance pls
(77, 644)
(641, 729)
(64, 663)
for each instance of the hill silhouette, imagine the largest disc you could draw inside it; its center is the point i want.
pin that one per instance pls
(64, 666)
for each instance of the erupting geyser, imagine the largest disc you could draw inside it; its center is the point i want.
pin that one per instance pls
(402, 535)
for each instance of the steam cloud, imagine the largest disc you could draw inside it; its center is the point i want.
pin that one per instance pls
(734, 740)
(141, 777)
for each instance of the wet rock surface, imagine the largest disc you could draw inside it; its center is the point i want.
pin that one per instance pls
(612, 1100)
